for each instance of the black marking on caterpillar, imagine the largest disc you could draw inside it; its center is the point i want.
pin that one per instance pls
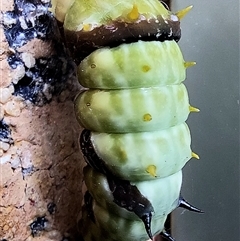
(89, 154)
(128, 196)
(125, 195)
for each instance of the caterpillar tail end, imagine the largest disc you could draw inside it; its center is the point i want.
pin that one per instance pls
(186, 205)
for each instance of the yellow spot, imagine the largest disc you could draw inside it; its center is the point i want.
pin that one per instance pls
(134, 14)
(189, 64)
(145, 68)
(123, 155)
(152, 170)
(194, 155)
(86, 27)
(193, 109)
(182, 13)
(147, 117)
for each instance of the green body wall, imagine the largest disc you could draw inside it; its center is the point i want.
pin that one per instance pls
(136, 65)
(128, 156)
(132, 110)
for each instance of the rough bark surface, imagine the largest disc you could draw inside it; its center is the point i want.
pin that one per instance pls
(40, 162)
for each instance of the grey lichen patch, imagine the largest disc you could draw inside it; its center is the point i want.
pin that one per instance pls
(5, 137)
(38, 225)
(36, 78)
(44, 80)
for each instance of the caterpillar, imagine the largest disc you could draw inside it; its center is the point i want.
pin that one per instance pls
(133, 110)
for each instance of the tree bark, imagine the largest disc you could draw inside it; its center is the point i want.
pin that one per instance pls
(40, 162)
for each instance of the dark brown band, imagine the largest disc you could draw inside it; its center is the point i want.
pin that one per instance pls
(82, 43)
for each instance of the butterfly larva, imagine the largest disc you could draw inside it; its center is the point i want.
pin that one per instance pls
(134, 110)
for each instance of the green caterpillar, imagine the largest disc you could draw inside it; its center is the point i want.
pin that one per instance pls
(133, 110)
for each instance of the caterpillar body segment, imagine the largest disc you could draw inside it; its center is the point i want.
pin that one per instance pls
(99, 188)
(133, 110)
(130, 156)
(111, 23)
(135, 65)
(98, 13)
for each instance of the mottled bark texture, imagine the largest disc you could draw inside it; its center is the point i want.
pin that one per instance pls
(40, 161)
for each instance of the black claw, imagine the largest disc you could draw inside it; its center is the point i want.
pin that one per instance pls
(147, 222)
(184, 204)
(167, 235)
